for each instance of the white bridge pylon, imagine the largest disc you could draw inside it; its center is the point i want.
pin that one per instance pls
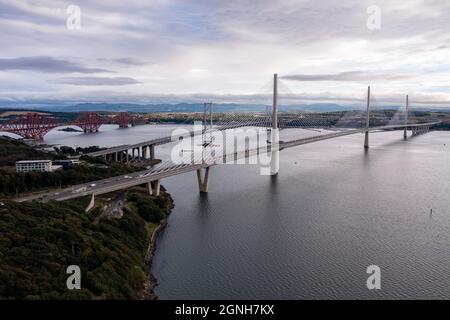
(275, 134)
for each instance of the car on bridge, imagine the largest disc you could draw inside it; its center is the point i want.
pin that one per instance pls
(79, 190)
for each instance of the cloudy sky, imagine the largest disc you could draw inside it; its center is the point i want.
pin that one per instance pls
(226, 51)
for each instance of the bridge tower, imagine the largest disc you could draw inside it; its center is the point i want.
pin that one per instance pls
(89, 121)
(275, 135)
(203, 174)
(405, 131)
(207, 113)
(203, 179)
(366, 137)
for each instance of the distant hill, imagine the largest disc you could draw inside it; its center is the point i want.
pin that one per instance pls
(179, 107)
(196, 107)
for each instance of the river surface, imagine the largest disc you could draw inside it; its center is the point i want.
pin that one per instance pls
(312, 231)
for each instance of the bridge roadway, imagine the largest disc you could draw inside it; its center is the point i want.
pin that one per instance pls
(297, 142)
(143, 177)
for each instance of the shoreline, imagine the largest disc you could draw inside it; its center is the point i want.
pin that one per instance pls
(151, 282)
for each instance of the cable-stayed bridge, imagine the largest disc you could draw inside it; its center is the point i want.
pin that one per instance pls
(208, 146)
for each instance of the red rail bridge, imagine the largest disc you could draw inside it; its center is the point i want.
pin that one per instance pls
(36, 126)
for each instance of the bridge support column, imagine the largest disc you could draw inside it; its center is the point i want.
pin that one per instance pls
(366, 136)
(116, 157)
(91, 204)
(275, 135)
(405, 131)
(144, 152)
(154, 188)
(152, 152)
(203, 181)
(366, 140)
(275, 153)
(157, 188)
(149, 188)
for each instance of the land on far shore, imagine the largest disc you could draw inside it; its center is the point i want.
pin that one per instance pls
(188, 113)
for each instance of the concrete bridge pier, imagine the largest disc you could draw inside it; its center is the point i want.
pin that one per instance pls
(275, 153)
(141, 154)
(405, 131)
(145, 152)
(91, 204)
(157, 187)
(148, 152)
(152, 151)
(154, 188)
(366, 136)
(366, 140)
(203, 181)
(149, 188)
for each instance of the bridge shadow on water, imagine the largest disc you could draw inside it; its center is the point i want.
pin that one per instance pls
(203, 206)
(273, 183)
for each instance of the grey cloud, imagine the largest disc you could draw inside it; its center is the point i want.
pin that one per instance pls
(126, 61)
(98, 81)
(130, 61)
(46, 64)
(346, 76)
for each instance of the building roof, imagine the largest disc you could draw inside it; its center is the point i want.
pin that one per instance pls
(32, 161)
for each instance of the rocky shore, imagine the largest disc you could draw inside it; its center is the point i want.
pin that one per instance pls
(151, 282)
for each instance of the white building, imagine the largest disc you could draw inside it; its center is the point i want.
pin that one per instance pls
(35, 165)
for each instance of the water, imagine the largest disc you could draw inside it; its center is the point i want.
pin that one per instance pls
(312, 231)
(108, 136)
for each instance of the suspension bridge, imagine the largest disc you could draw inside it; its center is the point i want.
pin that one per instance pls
(208, 151)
